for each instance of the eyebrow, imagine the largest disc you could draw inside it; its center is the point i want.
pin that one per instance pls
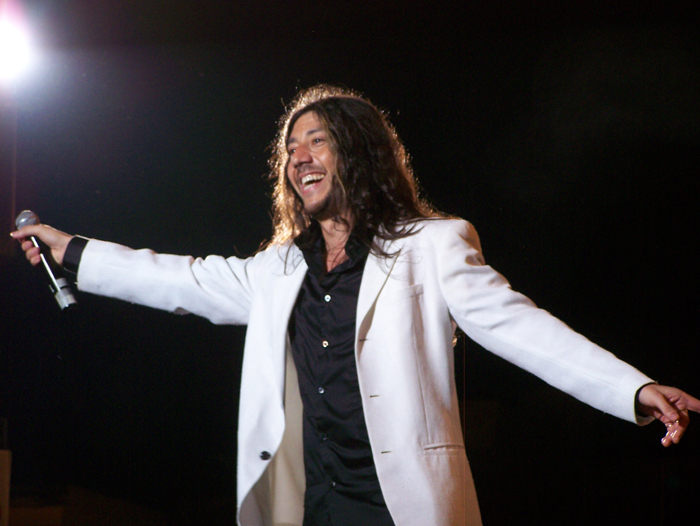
(310, 132)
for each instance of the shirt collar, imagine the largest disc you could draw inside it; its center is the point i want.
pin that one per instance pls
(311, 245)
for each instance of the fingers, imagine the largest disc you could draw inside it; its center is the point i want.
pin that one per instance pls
(27, 245)
(32, 252)
(56, 240)
(25, 232)
(656, 400)
(670, 406)
(692, 403)
(669, 412)
(680, 400)
(675, 429)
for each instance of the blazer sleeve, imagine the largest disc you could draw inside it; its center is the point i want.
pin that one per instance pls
(219, 289)
(508, 324)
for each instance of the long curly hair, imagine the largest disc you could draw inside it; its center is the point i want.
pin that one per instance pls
(374, 183)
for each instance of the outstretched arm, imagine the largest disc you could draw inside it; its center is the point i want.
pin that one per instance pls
(56, 240)
(216, 288)
(670, 406)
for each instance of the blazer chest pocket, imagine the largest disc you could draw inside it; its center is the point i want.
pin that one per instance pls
(444, 448)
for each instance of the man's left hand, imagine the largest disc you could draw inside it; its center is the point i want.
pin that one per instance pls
(670, 406)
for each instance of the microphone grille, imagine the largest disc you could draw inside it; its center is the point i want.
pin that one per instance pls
(25, 218)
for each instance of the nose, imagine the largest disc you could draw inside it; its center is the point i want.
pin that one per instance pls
(300, 156)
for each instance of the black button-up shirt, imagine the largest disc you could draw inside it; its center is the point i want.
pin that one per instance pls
(341, 481)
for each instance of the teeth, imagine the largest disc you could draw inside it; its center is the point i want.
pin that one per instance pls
(311, 178)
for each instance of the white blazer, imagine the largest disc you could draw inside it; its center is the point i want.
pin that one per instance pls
(408, 308)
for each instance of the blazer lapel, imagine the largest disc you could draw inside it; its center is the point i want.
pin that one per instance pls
(377, 271)
(285, 293)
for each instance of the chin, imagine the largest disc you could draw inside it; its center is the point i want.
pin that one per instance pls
(320, 210)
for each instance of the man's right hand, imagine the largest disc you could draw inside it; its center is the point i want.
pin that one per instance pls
(56, 240)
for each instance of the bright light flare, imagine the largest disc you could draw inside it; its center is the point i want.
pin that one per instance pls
(15, 50)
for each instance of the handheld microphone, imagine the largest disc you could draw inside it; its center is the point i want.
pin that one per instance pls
(58, 284)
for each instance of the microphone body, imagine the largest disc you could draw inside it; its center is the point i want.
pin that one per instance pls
(60, 288)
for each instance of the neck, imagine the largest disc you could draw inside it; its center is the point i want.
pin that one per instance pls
(335, 235)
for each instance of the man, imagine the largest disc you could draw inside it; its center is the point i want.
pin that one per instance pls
(351, 311)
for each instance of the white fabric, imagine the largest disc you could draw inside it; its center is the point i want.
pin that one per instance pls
(408, 307)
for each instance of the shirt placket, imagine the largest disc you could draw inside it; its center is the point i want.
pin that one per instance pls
(324, 306)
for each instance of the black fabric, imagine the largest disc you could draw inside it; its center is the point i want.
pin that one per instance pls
(73, 253)
(342, 488)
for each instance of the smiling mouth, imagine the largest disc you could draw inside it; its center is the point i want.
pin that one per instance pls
(311, 179)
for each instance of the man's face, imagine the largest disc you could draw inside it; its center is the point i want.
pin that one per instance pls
(312, 164)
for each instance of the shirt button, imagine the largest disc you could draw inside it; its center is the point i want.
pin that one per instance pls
(327, 297)
(324, 343)
(332, 483)
(321, 390)
(324, 437)
(265, 455)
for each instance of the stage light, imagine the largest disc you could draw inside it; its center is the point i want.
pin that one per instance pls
(16, 56)
(15, 49)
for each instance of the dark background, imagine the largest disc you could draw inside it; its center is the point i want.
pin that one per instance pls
(568, 133)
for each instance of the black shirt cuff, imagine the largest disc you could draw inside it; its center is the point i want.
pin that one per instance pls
(72, 255)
